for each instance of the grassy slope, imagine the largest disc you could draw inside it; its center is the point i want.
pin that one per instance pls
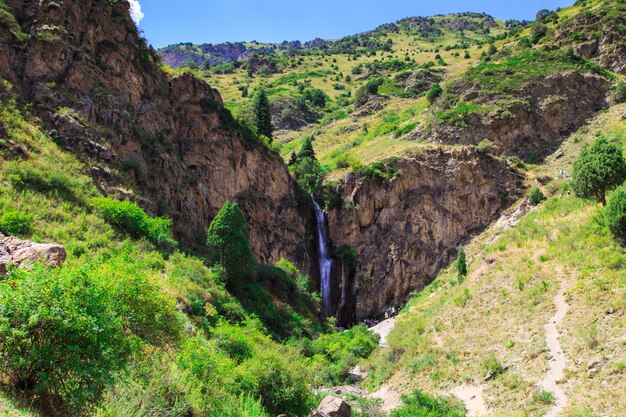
(332, 138)
(449, 330)
(341, 136)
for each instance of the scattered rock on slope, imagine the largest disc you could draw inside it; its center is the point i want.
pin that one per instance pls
(14, 251)
(332, 407)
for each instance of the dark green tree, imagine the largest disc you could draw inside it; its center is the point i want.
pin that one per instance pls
(535, 197)
(306, 150)
(461, 265)
(616, 216)
(293, 159)
(229, 244)
(599, 168)
(262, 114)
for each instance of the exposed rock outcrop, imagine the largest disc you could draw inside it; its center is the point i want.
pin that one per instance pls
(99, 89)
(15, 251)
(332, 407)
(541, 116)
(598, 35)
(406, 229)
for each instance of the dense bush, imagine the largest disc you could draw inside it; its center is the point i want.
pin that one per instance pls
(333, 355)
(15, 222)
(133, 220)
(63, 332)
(616, 216)
(535, 197)
(434, 92)
(419, 404)
(370, 88)
(384, 170)
(599, 168)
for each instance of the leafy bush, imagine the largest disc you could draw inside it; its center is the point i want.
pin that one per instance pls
(279, 379)
(535, 197)
(434, 92)
(419, 404)
(63, 332)
(616, 216)
(382, 170)
(15, 223)
(370, 88)
(599, 168)
(132, 219)
(333, 355)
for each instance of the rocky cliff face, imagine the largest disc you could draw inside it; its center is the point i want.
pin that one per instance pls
(535, 121)
(406, 229)
(99, 88)
(598, 34)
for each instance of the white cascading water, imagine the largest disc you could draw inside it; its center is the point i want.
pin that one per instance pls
(325, 260)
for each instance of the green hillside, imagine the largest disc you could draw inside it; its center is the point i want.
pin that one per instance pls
(136, 323)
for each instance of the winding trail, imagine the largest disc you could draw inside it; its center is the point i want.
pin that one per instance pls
(472, 397)
(390, 398)
(557, 357)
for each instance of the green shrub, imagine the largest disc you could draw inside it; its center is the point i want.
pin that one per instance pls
(133, 220)
(278, 378)
(599, 168)
(434, 92)
(63, 332)
(333, 355)
(384, 170)
(616, 216)
(15, 223)
(486, 145)
(419, 404)
(535, 197)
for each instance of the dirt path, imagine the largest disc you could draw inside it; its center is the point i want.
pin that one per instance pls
(472, 397)
(390, 398)
(557, 357)
(383, 329)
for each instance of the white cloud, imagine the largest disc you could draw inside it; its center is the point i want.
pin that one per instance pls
(135, 11)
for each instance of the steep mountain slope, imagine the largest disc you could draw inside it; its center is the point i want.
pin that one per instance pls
(165, 142)
(457, 330)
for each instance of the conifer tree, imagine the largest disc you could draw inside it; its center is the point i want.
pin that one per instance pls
(262, 114)
(229, 244)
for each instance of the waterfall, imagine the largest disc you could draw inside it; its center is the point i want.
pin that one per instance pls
(325, 260)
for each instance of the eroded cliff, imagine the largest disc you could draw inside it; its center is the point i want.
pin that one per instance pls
(405, 229)
(165, 142)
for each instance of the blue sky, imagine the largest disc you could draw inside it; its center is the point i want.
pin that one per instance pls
(212, 21)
